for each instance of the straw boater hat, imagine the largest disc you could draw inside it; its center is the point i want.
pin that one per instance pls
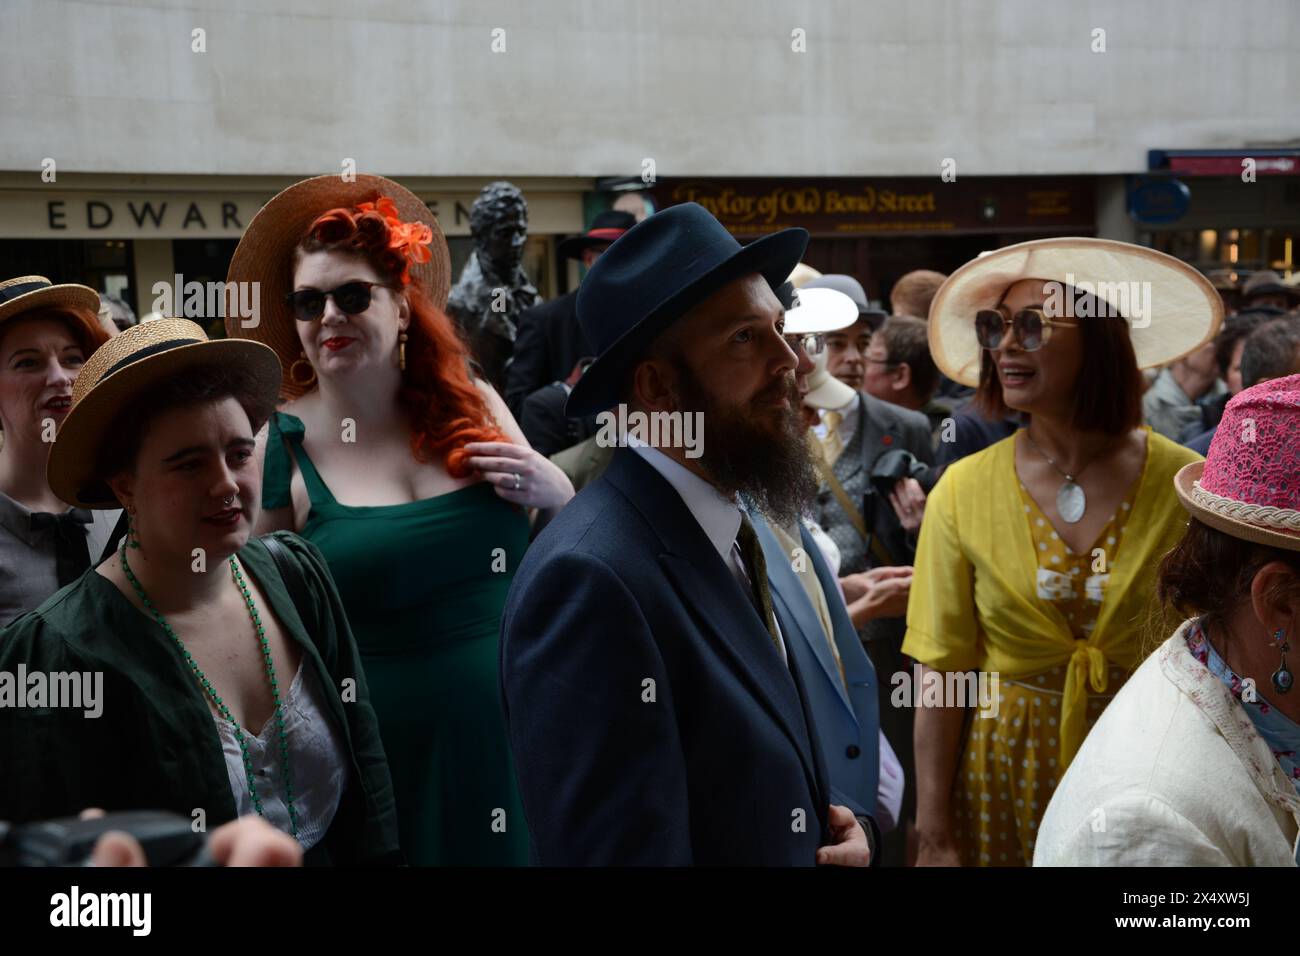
(265, 255)
(21, 295)
(1247, 486)
(120, 370)
(1186, 311)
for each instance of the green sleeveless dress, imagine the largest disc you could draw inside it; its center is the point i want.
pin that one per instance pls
(424, 585)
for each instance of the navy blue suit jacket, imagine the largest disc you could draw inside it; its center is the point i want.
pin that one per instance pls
(651, 719)
(847, 722)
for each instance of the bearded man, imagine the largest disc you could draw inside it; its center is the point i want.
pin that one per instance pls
(656, 713)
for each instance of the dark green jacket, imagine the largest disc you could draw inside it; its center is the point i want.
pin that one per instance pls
(155, 745)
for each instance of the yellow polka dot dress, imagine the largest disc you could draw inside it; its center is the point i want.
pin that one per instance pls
(1009, 768)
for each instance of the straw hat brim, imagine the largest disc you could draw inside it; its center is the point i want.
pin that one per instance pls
(64, 296)
(74, 457)
(1185, 486)
(1186, 310)
(265, 255)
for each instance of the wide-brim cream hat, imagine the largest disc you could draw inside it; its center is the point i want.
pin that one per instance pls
(28, 293)
(118, 372)
(265, 255)
(1185, 310)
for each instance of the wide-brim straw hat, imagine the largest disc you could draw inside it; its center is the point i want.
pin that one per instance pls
(115, 376)
(1248, 484)
(265, 255)
(29, 293)
(1186, 311)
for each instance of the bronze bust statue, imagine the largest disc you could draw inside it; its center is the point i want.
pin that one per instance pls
(493, 290)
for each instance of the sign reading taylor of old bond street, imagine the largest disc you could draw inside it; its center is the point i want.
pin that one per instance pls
(846, 207)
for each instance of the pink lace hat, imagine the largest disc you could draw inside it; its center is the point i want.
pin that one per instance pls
(1249, 485)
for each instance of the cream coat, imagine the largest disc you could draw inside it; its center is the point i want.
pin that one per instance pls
(1173, 774)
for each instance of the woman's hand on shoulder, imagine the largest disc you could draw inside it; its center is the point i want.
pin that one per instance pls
(520, 474)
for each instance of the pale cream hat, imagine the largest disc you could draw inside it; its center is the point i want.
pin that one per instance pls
(1185, 310)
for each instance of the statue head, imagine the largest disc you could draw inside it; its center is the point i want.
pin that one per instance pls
(499, 221)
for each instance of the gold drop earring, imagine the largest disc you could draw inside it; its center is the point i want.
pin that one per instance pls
(297, 375)
(401, 351)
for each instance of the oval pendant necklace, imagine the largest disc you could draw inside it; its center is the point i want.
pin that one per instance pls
(1071, 502)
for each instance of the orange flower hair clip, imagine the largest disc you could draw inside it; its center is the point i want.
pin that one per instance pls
(411, 239)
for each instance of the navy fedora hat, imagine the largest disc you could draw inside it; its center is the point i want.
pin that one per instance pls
(651, 276)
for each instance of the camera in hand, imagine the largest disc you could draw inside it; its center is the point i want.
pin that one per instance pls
(167, 839)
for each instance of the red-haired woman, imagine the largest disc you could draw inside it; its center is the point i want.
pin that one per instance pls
(412, 478)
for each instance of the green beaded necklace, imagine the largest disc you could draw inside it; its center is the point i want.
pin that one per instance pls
(222, 709)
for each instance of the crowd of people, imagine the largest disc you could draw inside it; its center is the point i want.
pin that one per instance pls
(405, 602)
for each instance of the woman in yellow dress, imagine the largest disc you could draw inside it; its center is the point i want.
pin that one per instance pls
(1037, 557)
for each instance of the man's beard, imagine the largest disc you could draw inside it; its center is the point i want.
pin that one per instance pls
(772, 467)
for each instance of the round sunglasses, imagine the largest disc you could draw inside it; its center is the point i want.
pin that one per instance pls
(352, 298)
(1032, 328)
(814, 343)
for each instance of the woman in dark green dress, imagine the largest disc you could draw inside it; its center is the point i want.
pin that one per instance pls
(412, 479)
(197, 670)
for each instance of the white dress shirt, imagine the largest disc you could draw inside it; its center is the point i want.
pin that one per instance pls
(848, 420)
(718, 517)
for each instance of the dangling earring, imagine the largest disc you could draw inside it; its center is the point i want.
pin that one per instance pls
(1282, 678)
(132, 538)
(401, 351)
(300, 377)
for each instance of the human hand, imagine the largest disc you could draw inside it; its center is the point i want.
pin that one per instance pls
(909, 503)
(882, 592)
(114, 848)
(849, 845)
(251, 841)
(520, 474)
(248, 841)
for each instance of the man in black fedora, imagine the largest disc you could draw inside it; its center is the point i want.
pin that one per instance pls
(654, 710)
(550, 342)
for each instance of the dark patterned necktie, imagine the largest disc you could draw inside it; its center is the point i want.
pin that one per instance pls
(756, 564)
(71, 549)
